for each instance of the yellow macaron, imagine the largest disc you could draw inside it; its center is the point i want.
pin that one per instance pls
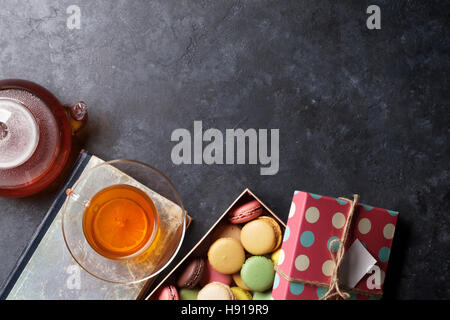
(241, 294)
(239, 282)
(226, 255)
(261, 236)
(275, 256)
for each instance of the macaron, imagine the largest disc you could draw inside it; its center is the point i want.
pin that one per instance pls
(168, 293)
(261, 236)
(263, 295)
(275, 256)
(258, 274)
(215, 291)
(188, 294)
(228, 230)
(226, 255)
(241, 294)
(212, 275)
(276, 228)
(191, 274)
(245, 212)
(239, 282)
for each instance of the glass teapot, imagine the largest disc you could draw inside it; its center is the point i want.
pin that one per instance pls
(35, 136)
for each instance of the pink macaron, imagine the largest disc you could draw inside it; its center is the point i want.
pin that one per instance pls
(245, 212)
(168, 293)
(211, 275)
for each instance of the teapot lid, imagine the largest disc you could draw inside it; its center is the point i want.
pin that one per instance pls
(19, 133)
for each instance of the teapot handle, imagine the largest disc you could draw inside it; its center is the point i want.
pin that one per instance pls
(77, 115)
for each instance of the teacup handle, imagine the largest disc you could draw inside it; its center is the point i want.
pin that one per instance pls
(77, 198)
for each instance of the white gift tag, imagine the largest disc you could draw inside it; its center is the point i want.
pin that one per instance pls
(356, 264)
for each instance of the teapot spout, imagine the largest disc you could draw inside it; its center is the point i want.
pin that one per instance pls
(78, 116)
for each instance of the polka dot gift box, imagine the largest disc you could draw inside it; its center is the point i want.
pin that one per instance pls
(316, 227)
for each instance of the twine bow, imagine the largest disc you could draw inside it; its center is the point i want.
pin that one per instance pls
(334, 287)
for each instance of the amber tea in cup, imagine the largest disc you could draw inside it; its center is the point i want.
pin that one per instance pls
(120, 222)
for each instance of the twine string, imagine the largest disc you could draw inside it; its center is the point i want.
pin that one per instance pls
(335, 289)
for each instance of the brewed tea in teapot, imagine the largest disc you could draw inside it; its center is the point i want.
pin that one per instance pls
(35, 136)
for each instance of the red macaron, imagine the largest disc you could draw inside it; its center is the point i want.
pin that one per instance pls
(245, 212)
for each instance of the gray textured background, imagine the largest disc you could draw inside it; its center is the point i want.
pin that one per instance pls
(358, 110)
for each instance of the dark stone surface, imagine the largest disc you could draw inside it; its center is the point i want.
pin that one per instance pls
(358, 110)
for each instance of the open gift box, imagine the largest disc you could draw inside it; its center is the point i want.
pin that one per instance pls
(201, 248)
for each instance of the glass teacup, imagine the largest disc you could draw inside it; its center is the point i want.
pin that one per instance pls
(123, 221)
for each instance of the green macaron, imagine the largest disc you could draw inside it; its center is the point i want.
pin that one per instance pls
(188, 294)
(258, 274)
(263, 295)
